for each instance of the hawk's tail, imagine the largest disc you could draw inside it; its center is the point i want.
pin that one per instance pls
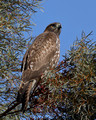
(24, 93)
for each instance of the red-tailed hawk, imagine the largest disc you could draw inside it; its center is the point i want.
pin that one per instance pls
(41, 55)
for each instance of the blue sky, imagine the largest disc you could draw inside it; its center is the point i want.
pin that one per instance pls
(74, 15)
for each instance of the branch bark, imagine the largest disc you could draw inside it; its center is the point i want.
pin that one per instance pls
(9, 109)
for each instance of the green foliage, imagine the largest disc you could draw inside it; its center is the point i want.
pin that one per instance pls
(82, 84)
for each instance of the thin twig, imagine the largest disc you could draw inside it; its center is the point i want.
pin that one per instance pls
(88, 34)
(9, 109)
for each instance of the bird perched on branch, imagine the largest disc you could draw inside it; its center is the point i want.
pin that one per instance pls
(41, 55)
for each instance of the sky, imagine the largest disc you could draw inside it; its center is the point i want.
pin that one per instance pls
(75, 16)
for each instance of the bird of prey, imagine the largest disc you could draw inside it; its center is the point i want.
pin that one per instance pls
(43, 53)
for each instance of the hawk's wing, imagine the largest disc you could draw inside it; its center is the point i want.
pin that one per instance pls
(40, 55)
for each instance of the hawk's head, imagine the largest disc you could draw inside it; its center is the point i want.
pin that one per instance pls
(54, 27)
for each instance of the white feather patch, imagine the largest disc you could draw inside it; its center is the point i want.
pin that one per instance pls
(33, 83)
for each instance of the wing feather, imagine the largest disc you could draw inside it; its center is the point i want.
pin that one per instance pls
(40, 53)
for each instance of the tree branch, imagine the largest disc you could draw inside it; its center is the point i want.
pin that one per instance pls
(9, 109)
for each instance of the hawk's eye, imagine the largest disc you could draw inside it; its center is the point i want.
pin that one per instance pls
(53, 25)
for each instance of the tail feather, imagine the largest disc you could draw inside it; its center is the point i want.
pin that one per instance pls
(21, 91)
(26, 97)
(24, 93)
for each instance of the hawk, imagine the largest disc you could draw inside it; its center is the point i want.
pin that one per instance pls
(41, 55)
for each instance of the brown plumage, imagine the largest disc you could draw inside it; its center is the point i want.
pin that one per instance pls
(41, 55)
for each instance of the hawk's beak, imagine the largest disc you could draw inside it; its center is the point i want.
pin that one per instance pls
(59, 26)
